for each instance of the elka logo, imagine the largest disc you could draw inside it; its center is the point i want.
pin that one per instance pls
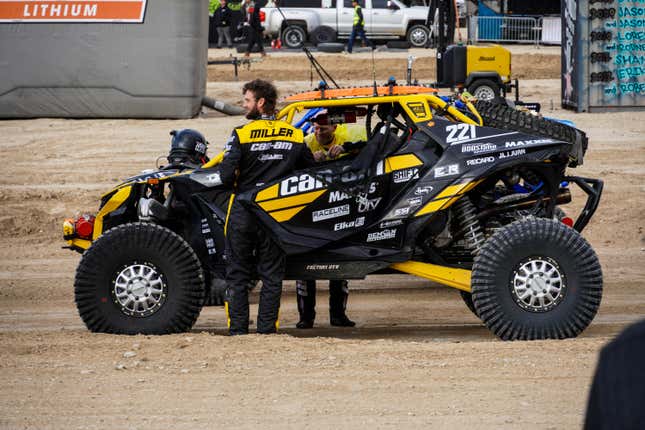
(124, 11)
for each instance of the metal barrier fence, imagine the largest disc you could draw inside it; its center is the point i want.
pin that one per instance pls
(519, 29)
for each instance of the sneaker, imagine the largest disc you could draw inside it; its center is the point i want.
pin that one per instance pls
(303, 324)
(341, 321)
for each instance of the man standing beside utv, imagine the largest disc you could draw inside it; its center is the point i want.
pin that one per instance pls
(327, 142)
(249, 247)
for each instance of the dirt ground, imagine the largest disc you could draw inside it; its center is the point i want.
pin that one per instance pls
(417, 358)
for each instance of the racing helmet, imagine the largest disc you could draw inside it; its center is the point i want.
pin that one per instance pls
(188, 147)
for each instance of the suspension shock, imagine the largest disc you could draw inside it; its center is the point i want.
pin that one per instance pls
(468, 224)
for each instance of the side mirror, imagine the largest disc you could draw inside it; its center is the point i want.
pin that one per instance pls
(392, 6)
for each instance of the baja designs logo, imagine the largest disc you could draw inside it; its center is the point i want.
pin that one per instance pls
(381, 235)
(329, 213)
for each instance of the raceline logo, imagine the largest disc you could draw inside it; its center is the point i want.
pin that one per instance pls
(477, 148)
(381, 235)
(265, 132)
(328, 213)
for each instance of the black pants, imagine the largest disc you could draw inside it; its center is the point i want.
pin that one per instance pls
(244, 238)
(306, 291)
(255, 38)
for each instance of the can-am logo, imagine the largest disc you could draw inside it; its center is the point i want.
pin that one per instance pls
(381, 235)
(328, 213)
(482, 58)
(478, 161)
(477, 148)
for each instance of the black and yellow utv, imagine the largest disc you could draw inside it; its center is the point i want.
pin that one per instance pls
(434, 192)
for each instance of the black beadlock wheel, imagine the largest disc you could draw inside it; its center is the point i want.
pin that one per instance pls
(139, 278)
(536, 279)
(323, 34)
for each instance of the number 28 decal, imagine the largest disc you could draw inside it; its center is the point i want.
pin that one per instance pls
(460, 132)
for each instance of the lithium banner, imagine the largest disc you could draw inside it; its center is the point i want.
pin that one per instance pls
(27, 11)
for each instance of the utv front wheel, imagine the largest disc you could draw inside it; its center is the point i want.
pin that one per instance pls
(139, 278)
(536, 279)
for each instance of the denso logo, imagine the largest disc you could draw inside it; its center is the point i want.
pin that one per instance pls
(299, 184)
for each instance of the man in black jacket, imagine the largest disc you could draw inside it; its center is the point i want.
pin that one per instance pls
(256, 29)
(257, 153)
(222, 20)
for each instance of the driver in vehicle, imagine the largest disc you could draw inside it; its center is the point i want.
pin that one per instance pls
(328, 142)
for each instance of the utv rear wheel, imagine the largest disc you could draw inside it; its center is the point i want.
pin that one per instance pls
(139, 278)
(468, 301)
(536, 279)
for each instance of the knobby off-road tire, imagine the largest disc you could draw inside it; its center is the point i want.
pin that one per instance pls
(139, 278)
(536, 279)
(558, 215)
(507, 118)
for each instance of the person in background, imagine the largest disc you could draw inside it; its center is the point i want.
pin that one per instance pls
(257, 153)
(617, 393)
(256, 30)
(358, 27)
(222, 19)
(327, 142)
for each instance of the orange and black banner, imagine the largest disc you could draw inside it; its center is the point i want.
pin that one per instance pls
(26, 11)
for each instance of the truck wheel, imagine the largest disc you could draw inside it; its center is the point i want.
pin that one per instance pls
(536, 279)
(139, 278)
(293, 36)
(330, 47)
(485, 89)
(323, 34)
(418, 36)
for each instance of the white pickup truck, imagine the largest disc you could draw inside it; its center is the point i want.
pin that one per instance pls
(325, 21)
